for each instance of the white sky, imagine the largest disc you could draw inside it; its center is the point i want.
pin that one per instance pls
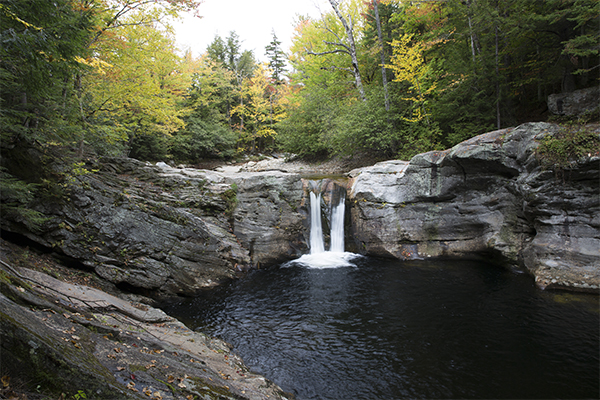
(252, 20)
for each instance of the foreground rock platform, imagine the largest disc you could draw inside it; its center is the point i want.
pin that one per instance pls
(68, 338)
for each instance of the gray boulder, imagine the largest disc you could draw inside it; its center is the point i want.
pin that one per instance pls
(488, 197)
(575, 103)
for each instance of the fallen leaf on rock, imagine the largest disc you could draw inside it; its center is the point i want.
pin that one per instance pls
(157, 395)
(5, 381)
(118, 350)
(131, 386)
(170, 379)
(111, 356)
(120, 368)
(75, 337)
(181, 385)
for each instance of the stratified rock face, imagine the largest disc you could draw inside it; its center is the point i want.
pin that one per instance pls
(266, 219)
(165, 230)
(485, 196)
(68, 338)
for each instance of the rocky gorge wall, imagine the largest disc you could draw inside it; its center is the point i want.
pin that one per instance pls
(487, 196)
(159, 231)
(156, 230)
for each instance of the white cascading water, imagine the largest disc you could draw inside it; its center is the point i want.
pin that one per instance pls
(337, 226)
(316, 227)
(318, 257)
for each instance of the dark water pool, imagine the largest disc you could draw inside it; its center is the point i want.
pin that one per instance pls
(395, 330)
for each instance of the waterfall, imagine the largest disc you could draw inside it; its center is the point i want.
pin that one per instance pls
(316, 228)
(337, 225)
(336, 256)
(317, 243)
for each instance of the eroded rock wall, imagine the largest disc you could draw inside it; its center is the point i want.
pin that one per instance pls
(159, 230)
(487, 196)
(267, 219)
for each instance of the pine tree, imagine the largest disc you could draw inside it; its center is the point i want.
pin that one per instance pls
(276, 59)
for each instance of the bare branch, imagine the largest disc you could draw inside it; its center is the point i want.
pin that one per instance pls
(321, 53)
(346, 48)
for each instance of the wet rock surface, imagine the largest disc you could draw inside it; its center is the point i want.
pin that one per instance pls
(487, 196)
(68, 338)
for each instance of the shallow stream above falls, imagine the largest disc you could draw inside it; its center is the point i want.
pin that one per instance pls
(381, 329)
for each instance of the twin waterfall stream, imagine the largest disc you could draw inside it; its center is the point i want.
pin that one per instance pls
(333, 196)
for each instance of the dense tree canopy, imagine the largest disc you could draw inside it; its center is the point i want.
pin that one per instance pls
(385, 77)
(435, 72)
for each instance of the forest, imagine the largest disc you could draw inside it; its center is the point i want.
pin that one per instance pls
(386, 78)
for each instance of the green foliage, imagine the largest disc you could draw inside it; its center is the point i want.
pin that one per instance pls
(276, 59)
(227, 53)
(40, 44)
(80, 395)
(310, 120)
(148, 147)
(106, 76)
(16, 197)
(203, 139)
(365, 126)
(572, 143)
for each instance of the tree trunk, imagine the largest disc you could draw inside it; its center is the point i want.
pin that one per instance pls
(383, 69)
(498, 97)
(474, 41)
(352, 48)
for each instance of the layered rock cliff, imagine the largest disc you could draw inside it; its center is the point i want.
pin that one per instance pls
(488, 196)
(156, 230)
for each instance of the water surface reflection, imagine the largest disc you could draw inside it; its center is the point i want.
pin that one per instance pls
(391, 330)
